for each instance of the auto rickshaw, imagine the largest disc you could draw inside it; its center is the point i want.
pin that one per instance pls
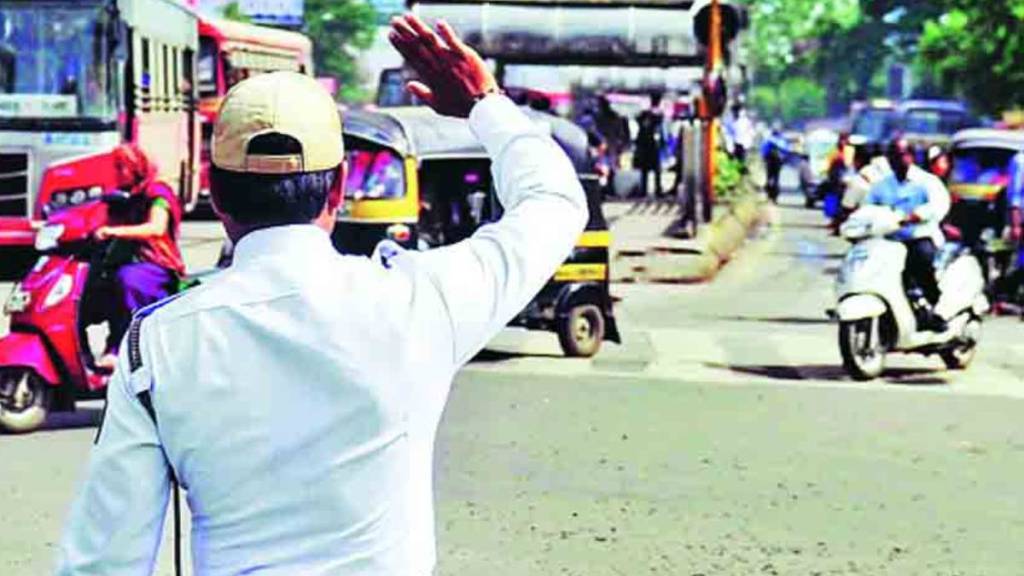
(978, 184)
(424, 181)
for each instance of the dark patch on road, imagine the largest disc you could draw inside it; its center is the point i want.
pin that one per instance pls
(490, 356)
(832, 373)
(798, 320)
(80, 418)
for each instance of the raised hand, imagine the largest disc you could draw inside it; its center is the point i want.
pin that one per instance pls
(453, 77)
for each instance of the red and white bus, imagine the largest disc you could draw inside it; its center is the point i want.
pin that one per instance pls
(79, 77)
(230, 52)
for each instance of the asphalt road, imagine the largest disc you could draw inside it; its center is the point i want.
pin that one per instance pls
(721, 438)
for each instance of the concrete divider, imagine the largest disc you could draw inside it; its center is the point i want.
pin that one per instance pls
(655, 258)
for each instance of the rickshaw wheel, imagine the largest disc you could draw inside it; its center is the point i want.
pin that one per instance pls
(581, 331)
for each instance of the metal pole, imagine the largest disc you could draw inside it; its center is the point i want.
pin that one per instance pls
(712, 68)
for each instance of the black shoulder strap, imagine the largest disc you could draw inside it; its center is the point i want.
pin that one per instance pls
(135, 363)
(135, 347)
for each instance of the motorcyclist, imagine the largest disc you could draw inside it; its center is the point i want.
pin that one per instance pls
(923, 201)
(939, 162)
(146, 229)
(840, 169)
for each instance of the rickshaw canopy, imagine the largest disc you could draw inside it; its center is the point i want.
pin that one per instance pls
(981, 162)
(989, 138)
(419, 132)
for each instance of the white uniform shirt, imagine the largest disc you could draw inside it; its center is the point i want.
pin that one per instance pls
(298, 393)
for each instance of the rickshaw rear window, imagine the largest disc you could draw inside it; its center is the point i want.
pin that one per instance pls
(982, 166)
(375, 174)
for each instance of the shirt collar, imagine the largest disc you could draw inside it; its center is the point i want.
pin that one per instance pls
(276, 241)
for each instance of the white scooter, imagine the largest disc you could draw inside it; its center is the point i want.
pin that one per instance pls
(875, 313)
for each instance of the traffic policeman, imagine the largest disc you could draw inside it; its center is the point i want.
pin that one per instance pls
(296, 396)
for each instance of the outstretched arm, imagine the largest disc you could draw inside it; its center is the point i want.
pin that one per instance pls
(486, 280)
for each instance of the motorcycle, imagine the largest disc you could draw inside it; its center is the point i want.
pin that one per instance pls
(878, 314)
(45, 361)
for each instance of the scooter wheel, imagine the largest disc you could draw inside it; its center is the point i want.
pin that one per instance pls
(863, 355)
(24, 400)
(960, 358)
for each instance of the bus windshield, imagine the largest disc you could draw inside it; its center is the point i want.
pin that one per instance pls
(55, 61)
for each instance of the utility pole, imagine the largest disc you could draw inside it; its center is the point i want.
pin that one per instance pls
(709, 109)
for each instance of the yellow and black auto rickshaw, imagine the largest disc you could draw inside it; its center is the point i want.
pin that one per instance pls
(423, 181)
(978, 186)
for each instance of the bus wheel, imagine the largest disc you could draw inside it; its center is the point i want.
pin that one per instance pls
(581, 331)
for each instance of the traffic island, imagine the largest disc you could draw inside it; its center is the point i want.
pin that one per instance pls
(646, 248)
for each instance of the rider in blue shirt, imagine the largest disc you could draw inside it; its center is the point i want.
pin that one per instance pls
(924, 201)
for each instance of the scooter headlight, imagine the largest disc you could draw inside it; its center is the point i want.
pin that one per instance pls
(48, 236)
(60, 291)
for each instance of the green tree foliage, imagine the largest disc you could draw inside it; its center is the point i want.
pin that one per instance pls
(976, 48)
(232, 11)
(801, 98)
(795, 99)
(340, 29)
(842, 45)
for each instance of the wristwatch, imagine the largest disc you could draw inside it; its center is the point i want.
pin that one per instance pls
(493, 90)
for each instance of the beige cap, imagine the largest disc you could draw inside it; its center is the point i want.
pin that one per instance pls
(284, 103)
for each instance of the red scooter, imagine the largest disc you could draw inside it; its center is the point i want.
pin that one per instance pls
(46, 362)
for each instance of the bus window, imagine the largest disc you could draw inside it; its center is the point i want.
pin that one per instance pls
(175, 79)
(166, 89)
(206, 73)
(144, 79)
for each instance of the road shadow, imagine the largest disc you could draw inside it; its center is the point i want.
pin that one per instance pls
(80, 418)
(923, 377)
(808, 255)
(832, 373)
(790, 320)
(489, 356)
(805, 226)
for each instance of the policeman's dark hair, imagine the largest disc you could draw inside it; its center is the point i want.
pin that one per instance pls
(263, 200)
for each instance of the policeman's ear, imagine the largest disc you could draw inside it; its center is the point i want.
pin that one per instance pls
(337, 193)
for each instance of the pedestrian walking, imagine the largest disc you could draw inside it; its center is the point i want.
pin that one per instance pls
(775, 152)
(741, 134)
(649, 142)
(296, 395)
